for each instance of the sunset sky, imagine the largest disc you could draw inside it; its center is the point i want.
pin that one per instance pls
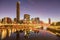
(43, 9)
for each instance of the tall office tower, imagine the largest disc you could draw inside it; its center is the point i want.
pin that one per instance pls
(6, 20)
(37, 20)
(18, 11)
(0, 20)
(49, 20)
(27, 17)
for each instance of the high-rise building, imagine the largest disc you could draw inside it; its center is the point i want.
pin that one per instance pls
(6, 20)
(18, 11)
(35, 20)
(49, 21)
(15, 19)
(26, 17)
(0, 20)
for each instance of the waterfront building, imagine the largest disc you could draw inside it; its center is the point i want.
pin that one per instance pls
(18, 11)
(6, 20)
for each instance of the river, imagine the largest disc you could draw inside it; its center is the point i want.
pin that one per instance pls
(41, 35)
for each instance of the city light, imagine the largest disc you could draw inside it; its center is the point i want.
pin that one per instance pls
(9, 26)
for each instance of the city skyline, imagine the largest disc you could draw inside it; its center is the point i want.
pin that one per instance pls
(35, 8)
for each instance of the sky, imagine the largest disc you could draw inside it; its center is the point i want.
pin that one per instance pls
(43, 9)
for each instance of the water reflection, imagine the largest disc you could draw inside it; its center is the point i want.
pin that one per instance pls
(6, 33)
(3, 34)
(12, 33)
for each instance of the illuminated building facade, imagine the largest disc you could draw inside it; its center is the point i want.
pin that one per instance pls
(6, 20)
(26, 17)
(18, 12)
(15, 20)
(49, 21)
(35, 20)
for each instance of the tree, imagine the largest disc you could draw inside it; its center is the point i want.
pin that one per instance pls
(58, 24)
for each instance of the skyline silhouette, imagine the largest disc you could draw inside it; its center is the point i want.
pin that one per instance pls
(43, 9)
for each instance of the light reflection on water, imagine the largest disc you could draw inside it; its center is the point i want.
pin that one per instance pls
(4, 33)
(8, 32)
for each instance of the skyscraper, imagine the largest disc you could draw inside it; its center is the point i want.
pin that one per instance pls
(27, 17)
(49, 20)
(6, 20)
(37, 20)
(18, 11)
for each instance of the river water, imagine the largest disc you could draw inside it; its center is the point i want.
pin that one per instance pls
(13, 35)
